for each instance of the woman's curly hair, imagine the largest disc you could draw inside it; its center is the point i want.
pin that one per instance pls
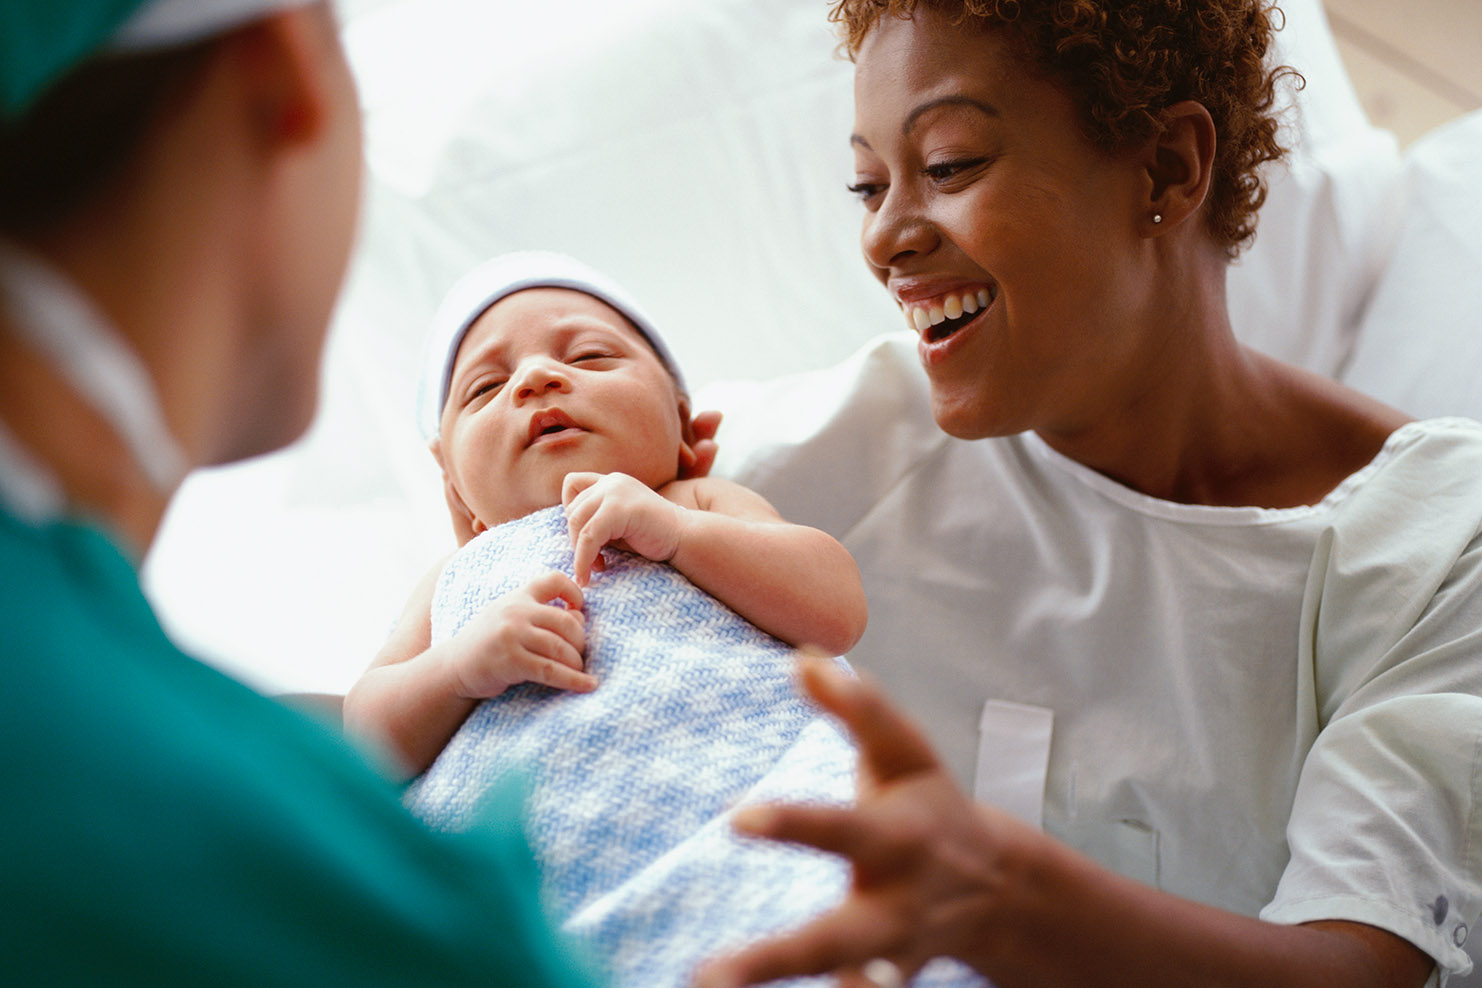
(1124, 61)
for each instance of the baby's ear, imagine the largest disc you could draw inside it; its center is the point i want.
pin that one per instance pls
(465, 525)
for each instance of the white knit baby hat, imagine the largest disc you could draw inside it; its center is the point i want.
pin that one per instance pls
(495, 279)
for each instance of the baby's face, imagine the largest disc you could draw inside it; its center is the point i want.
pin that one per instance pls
(550, 381)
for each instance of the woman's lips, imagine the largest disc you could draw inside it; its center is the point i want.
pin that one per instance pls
(939, 316)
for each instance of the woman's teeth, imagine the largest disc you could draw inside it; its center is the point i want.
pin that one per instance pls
(934, 313)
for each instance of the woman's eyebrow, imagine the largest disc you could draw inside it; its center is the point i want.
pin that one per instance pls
(914, 117)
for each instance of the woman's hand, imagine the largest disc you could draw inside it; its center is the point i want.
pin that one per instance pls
(935, 875)
(613, 508)
(927, 862)
(523, 638)
(702, 446)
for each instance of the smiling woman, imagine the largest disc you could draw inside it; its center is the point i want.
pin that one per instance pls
(1231, 650)
(986, 183)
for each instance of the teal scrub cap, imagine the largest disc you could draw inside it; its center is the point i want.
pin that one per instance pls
(42, 40)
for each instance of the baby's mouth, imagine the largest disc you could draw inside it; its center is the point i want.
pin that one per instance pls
(548, 423)
(938, 318)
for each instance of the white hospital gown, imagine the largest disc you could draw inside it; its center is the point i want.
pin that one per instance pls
(1273, 711)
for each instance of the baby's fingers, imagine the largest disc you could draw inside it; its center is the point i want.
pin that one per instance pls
(567, 628)
(558, 675)
(575, 483)
(555, 585)
(586, 547)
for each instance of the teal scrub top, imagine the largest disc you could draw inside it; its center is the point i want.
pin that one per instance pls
(164, 824)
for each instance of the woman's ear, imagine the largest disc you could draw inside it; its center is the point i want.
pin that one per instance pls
(465, 525)
(1179, 165)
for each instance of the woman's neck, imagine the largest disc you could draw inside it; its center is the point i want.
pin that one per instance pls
(1210, 421)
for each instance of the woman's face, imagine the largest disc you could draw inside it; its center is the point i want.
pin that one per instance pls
(984, 202)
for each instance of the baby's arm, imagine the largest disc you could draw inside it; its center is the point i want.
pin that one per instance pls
(416, 694)
(792, 581)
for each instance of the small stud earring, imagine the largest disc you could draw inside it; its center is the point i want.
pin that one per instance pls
(1157, 217)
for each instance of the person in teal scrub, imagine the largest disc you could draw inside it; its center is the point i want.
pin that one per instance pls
(179, 183)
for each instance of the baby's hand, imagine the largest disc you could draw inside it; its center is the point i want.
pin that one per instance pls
(521, 638)
(603, 509)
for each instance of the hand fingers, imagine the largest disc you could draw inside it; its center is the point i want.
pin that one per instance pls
(705, 424)
(552, 651)
(845, 939)
(583, 503)
(890, 744)
(585, 551)
(555, 585)
(841, 830)
(697, 454)
(541, 655)
(589, 535)
(575, 483)
(701, 459)
(559, 675)
(567, 630)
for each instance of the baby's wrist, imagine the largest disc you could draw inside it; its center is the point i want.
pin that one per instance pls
(456, 683)
(683, 519)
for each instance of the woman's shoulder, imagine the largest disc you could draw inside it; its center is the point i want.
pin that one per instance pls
(1428, 462)
(1411, 518)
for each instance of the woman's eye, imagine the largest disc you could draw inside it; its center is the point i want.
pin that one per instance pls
(866, 191)
(944, 170)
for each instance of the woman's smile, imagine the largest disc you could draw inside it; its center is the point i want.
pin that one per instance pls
(938, 318)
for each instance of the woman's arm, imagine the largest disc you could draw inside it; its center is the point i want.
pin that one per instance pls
(792, 581)
(936, 875)
(415, 694)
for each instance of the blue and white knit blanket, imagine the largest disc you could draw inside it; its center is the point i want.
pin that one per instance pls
(632, 786)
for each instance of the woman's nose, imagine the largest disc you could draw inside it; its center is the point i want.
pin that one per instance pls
(896, 231)
(540, 376)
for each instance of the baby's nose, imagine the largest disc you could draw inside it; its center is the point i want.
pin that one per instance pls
(539, 376)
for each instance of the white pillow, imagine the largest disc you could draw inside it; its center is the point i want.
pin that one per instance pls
(1420, 341)
(1325, 229)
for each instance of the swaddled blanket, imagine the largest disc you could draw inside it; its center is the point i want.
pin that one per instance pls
(631, 786)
